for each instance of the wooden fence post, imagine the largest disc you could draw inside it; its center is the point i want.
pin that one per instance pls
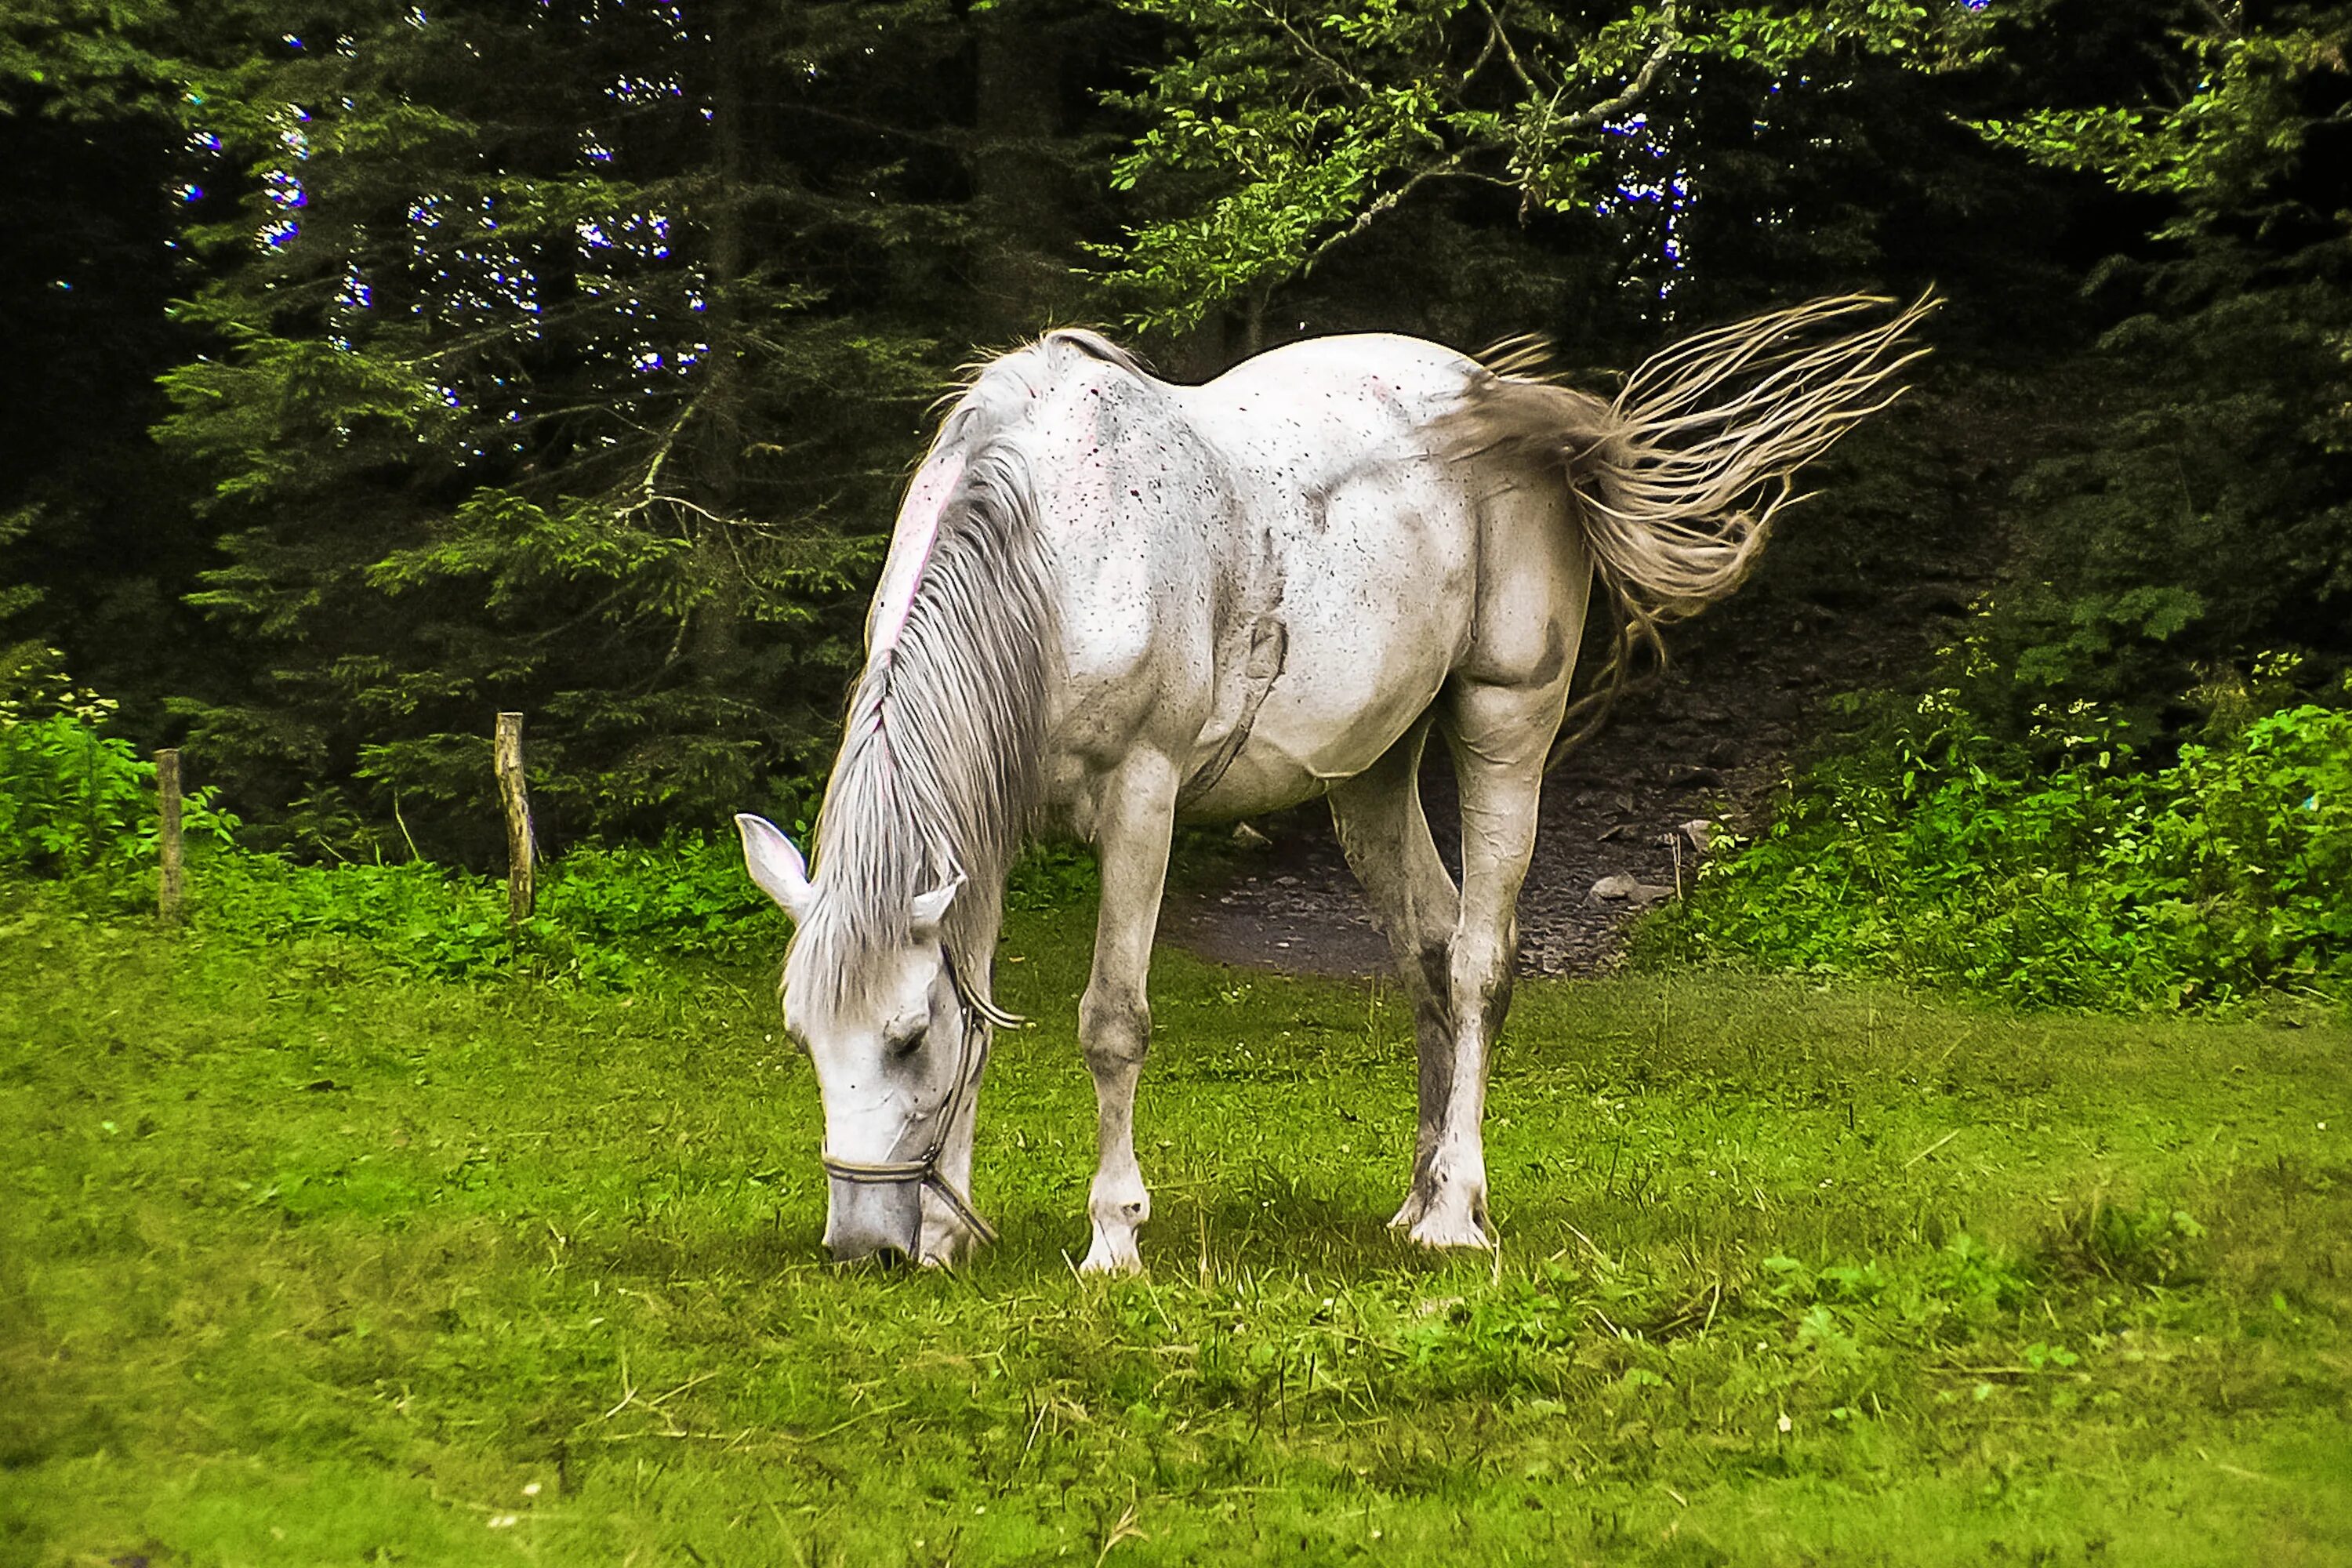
(172, 885)
(517, 798)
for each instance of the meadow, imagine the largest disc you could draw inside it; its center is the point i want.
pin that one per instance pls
(307, 1258)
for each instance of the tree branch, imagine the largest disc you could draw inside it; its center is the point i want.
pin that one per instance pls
(1496, 35)
(669, 444)
(1364, 219)
(1309, 46)
(1601, 113)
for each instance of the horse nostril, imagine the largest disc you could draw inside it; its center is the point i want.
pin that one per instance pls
(881, 1255)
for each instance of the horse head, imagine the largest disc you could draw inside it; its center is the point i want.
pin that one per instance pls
(899, 1042)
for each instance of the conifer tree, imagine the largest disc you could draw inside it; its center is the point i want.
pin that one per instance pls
(565, 356)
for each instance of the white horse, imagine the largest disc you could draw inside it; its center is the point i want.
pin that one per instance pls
(1115, 604)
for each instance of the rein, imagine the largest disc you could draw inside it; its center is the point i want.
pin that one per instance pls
(972, 1056)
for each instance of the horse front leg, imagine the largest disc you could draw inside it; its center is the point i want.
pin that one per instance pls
(1133, 822)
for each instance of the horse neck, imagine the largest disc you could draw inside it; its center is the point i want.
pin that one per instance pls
(940, 773)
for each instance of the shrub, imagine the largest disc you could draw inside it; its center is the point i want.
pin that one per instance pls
(604, 917)
(78, 803)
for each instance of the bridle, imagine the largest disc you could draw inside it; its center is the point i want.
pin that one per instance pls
(971, 1059)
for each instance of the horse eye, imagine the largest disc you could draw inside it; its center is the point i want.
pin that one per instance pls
(904, 1043)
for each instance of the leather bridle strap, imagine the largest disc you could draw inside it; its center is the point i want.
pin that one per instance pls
(925, 1169)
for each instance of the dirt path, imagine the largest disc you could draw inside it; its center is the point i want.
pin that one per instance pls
(1709, 742)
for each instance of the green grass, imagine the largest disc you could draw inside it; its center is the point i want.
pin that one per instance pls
(304, 1260)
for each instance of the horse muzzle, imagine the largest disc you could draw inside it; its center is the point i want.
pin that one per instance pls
(869, 1218)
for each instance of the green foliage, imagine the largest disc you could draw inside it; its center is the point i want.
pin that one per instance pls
(89, 58)
(1283, 131)
(2211, 515)
(2241, 127)
(603, 918)
(2063, 876)
(548, 364)
(2149, 1245)
(2050, 822)
(2206, 513)
(75, 802)
(1052, 875)
(72, 797)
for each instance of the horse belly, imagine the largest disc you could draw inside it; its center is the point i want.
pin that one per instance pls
(1292, 754)
(1375, 610)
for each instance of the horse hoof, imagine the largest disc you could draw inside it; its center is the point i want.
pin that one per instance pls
(1112, 1258)
(1439, 1233)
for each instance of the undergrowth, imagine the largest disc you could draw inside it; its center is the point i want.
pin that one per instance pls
(73, 798)
(2060, 870)
(78, 810)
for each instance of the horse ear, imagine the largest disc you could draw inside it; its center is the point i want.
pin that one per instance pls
(775, 865)
(933, 907)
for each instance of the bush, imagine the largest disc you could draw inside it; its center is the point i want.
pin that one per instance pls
(78, 803)
(604, 917)
(1930, 850)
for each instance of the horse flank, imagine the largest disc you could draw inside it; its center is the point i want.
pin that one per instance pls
(944, 742)
(1676, 484)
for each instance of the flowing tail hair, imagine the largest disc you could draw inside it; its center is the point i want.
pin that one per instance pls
(1676, 484)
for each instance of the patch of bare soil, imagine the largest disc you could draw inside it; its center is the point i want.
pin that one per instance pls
(1855, 605)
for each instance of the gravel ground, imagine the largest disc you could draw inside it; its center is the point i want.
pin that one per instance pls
(1627, 813)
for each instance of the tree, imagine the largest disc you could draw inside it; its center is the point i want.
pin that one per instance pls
(566, 357)
(2210, 521)
(97, 539)
(1289, 127)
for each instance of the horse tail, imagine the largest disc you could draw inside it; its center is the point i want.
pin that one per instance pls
(1676, 484)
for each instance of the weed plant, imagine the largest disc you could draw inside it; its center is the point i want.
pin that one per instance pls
(74, 799)
(77, 805)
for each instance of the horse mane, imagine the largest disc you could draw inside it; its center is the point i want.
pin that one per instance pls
(940, 769)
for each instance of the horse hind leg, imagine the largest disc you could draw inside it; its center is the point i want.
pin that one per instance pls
(1500, 735)
(1385, 834)
(1133, 825)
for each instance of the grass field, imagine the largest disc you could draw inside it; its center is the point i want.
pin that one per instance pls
(308, 1263)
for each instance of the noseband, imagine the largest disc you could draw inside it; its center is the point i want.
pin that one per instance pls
(971, 1058)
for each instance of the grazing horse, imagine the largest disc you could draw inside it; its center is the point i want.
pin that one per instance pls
(1112, 603)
